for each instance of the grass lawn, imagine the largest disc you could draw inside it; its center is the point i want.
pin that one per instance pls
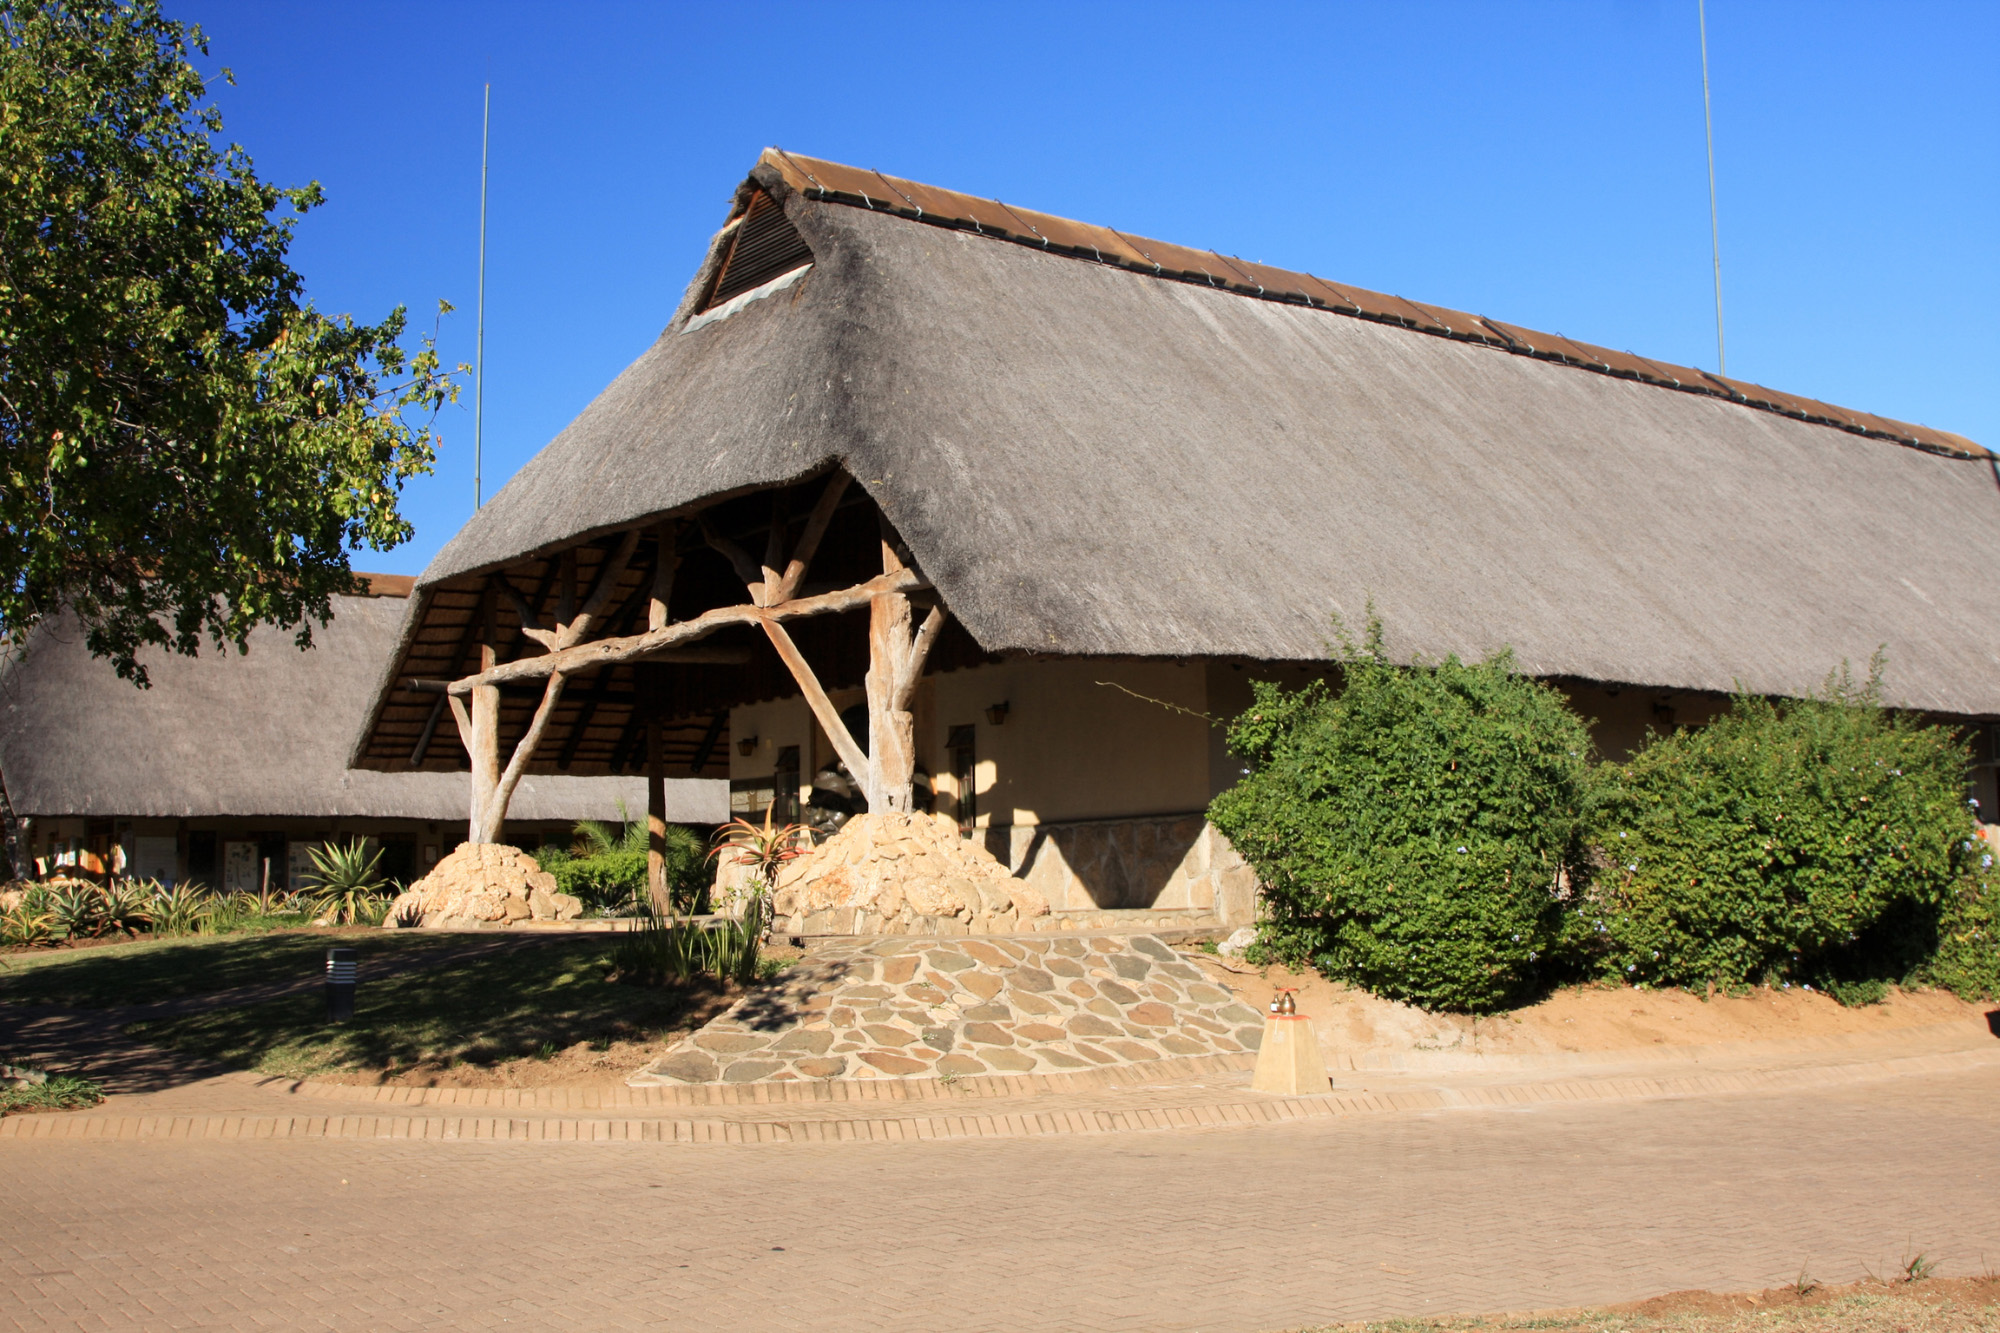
(143, 970)
(61, 1092)
(1961, 1305)
(526, 1001)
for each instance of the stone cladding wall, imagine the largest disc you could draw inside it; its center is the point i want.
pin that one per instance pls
(915, 1008)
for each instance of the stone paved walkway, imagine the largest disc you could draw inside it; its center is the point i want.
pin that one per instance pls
(1493, 1208)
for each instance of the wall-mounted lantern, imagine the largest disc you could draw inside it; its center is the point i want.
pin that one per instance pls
(747, 746)
(996, 714)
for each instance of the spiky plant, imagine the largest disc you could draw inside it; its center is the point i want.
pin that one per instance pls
(27, 924)
(347, 883)
(127, 905)
(183, 909)
(75, 908)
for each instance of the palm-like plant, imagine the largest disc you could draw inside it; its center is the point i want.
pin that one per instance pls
(347, 882)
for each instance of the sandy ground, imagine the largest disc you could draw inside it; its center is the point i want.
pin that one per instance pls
(1587, 1018)
(1932, 1305)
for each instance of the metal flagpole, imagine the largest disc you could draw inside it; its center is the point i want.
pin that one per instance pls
(479, 356)
(1714, 223)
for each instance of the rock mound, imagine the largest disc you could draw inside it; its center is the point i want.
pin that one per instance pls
(930, 1008)
(483, 885)
(899, 874)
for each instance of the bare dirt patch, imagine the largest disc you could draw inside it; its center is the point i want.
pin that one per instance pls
(1592, 1019)
(1935, 1305)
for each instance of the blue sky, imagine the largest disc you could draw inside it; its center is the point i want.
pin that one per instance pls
(1540, 163)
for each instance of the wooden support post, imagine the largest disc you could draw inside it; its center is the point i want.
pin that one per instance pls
(656, 818)
(484, 743)
(895, 664)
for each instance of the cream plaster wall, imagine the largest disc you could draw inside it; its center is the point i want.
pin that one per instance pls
(1071, 748)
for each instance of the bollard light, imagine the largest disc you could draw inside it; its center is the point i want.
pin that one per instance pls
(340, 975)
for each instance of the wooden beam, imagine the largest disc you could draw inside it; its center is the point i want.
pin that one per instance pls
(666, 561)
(739, 559)
(809, 540)
(496, 812)
(606, 652)
(708, 741)
(423, 745)
(822, 707)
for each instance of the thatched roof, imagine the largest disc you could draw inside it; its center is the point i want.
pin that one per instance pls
(1089, 456)
(263, 734)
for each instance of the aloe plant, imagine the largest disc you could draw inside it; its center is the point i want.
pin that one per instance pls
(183, 909)
(127, 905)
(27, 924)
(75, 909)
(348, 883)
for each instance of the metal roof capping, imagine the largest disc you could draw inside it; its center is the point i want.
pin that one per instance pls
(832, 182)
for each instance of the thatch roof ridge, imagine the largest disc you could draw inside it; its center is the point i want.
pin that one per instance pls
(1088, 460)
(261, 734)
(1046, 232)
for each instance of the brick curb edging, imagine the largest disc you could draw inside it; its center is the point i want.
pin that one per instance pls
(1028, 1124)
(885, 1089)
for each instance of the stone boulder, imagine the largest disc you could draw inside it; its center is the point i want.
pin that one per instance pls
(892, 874)
(483, 886)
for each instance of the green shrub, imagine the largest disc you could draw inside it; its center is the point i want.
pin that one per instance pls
(1816, 840)
(1967, 959)
(1413, 832)
(607, 868)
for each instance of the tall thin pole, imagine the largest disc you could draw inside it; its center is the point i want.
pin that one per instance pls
(479, 356)
(1714, 221)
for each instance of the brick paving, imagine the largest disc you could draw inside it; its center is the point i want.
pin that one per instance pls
(1346, 1217)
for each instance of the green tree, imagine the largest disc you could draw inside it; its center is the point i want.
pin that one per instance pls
(1415, 831)
(187, 447)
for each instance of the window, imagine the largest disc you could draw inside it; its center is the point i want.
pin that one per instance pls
(963, 760)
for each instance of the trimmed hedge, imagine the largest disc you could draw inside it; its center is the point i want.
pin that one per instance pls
(1815, 840)
(1439, 834)
(1414, 832)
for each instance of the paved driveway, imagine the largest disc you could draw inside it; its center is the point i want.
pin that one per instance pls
(1240, 1229)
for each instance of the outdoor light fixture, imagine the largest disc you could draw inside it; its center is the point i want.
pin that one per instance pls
(997, 714)
(747, 746)
(340, 979)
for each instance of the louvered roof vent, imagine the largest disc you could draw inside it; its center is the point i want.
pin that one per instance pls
(765, 245)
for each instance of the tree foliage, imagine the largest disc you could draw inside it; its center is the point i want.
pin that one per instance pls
(187, 447)
(1816, 839)
(1414, 830)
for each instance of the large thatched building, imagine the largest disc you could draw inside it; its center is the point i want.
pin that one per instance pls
(995, 506)
(230, 762)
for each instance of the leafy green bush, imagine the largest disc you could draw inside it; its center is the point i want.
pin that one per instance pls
(1818, 840)
(1967, 960)
(606, 866)
(1413, 832)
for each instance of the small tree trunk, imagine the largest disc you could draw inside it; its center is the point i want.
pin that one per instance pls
(17, 848)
